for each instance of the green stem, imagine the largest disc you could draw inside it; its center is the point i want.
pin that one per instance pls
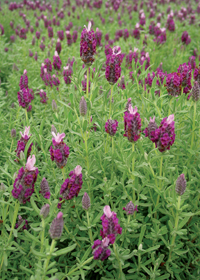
(26, 116)
(117, 257)
(46, 263)
(175, 227)
(193, 125)
(90, 231)
(158, 198)
(128, 221)
(133, 166)
(111, 100)
(75, 269)
(11, 145)
(86, 149)
(42, 235)
(63, 173)
(87, 88)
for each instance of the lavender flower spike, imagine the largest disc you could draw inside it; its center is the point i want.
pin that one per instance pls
(130, 208)
(86, 201)
(30, 163)
(180, 185)
(100, 249)
(88, 45)
(44, 212)
(45, 191)
(56, 227)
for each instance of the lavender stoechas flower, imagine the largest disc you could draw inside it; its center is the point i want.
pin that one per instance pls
(55, 81)
(113, 65)
(58, 46)
(13, 133)
(83, 106)
(72, 186)
(111, 127)
(60, 34)
(69, 38)
(25, 96)
(127, 105)
(88, 45)
(197, 75)
(100, 249)
(23, 83)
(132, 124)
(44, 212)
(173, 84)
(86, 201)
(42, 46)
(50, 32)
(110, 225)
(122, 83)
(67, 73)
(130, 208)
(150, 130)
(195, 92)
(57, 61)
(44, 189)
(180, 185)
(59, 151)
(21, 144)
(165, 134)
(185, 38)
(74, 36)
(23, 186)
(43, 96)
(185, 73)
(136, 31)
(37, 34)
(20, 221)
(98, 36)
(56, 227)
(192, 62)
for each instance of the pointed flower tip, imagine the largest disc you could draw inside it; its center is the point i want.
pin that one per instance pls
(30, 163)
(131, 110)
(59, 137)
(78, 170)
(56, 53)
(60, 215)
(25, 72)
(152, 119)
(170, 119)
(89, 26)
(107, 211)
(105, 242)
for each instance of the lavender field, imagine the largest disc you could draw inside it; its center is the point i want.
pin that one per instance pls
(99, 145)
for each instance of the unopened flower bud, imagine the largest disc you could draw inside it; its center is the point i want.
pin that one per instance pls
(54, 105)
(56, 227)
(86, 201)
(13, 133)
(130, 208)
(2, 187)
(180, 185)
(53, 129)
(45, 191)
(195, 91)
(83, 106)
(44, 212)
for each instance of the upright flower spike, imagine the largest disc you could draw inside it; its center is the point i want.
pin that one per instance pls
(20, 221)
(195, 92)
(72, 186)
(150, 130)
(100, 249)
(21, 144)
(25, 96)
(23, 186)
(180, 185)
(59, 151)
(44, 212)
(111, 127)
(56, 61)
(86, 201)
(111, 228)
(88, 45)
(130, 208)
(24, 80)
(132, 124)
(56, 227)
(113, 65)
(45, 191)
(83, 106)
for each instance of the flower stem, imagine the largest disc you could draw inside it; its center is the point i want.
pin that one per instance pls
(175, 228)
(46, 263)
(72, 271)
(14, 218)
(158, 198)
(90, 231)
(117, 257)
(63, 173)
(193, 125)
(111, 100)
(133, 166)
(26, 116)
(86, 149)
(42, 235)
(87, 88)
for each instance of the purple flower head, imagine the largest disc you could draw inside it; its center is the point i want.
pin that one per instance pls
(44, 189)
(130, 208)
(195, 92)
(111, 127)
(56, 61)
(83, 106)
(58, 46)
(88, 45)
(136, 31)
(44, 212)
(86, 201)
(150, 130)
(173, 84)
(56, 227)
(59, 151)
(60, 34)
(20, 221)
(185, 73)
(132, 124)
(72, 186)
(43, 96)
(23, 81)
(21, 144)
(50, 32)
(67, 73)
(98, 37)
(23, 186)
(25, 96)
(164, 136)
(111, 228)
(127, 104)
(122, 83)
(113, 65)
(100, 249)
(185, 38)
(180, 185)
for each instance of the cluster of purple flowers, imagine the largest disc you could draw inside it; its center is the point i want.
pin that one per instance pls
(72, 186)
(56, 61)
(111, 228)
(25, 95)
(59, 151)
(185, 38)
(88, 45)
(23, 186)
(111, 127)
(164, 135)
(21, 144)
(132, 124)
